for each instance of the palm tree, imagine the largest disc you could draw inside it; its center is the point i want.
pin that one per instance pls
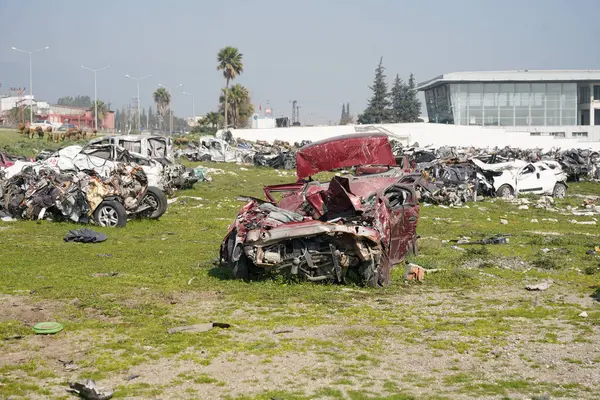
(240, 105)
(102, 111)
(212, 118)
(230, 62)
(162, 98)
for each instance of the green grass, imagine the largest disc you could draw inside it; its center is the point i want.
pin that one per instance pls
(474, 304)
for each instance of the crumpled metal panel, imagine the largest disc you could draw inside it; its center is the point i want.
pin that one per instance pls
(342, 152)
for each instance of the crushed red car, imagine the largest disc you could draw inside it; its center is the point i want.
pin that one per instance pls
(352, 228)
(7, 160)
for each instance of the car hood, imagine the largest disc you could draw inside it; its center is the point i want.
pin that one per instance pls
(342, 152)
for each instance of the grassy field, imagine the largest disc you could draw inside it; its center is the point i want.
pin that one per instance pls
(470, 330)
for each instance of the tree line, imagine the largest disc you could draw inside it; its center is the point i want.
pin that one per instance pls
(400, 104)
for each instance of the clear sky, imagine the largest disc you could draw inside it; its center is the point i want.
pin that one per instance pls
(319, 52)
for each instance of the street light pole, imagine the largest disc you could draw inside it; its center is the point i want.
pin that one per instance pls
(95, 71)
(170, 108)
(193, 103)
(139, 111)
(30, 77)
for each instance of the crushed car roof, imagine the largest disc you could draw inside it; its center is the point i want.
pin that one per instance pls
(344, 151)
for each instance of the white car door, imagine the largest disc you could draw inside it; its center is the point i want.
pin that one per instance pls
(547, 178)
(529, 180)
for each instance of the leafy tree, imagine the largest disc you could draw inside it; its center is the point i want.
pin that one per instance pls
(162, 98)
(152, 119)
(230, 62)
(143, 119)
(78, 101)
(377, 111)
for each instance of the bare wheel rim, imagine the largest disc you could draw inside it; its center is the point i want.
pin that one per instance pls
(560, 192)
(108, 216)
(152, 201)
(506, 192)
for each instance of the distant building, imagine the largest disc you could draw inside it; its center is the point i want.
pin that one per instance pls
(81, 117)
(557, 103)
(259, 122)
(10, 102)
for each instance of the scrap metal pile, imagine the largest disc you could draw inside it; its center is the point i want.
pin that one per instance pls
(279, 155)
(39, 192)
(349, 229)
(452, 176)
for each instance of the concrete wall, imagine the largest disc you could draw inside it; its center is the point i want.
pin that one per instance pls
(428, 134)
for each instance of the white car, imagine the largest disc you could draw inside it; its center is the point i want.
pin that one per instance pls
(44, 124)
(514, 177)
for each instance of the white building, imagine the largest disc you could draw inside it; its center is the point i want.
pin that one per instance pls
(563, 103)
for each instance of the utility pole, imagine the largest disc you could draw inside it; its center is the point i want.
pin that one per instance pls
(139, 111)
(95, 71)
(30, 77)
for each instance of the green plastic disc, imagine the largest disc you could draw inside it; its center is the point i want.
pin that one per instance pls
(47, 328)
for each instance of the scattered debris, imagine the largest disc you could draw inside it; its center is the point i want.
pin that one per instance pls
(85, 235)
(69, 365)
(47, 328)
(539, 286)
(102, 274)
(89, 391)
(131, 377)
(282, 330)
(198, 327)
(504, 222)
(414, 272)
(583, 314)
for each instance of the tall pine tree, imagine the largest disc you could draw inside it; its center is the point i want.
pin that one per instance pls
(398, 99)
(343, 117)
(377, 111)
(413, 103)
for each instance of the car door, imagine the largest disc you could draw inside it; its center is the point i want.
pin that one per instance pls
(529, 180)
(547, 178)
(404, 215)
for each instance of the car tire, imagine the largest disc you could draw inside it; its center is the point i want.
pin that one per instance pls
(240, 268)
(559, 191)
(206, 157)
(110, 213)
(505, 191)
(157, 199)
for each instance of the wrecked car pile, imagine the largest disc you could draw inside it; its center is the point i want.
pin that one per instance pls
(279, 155)
(353, 228)
(452, 176)
(39, 192)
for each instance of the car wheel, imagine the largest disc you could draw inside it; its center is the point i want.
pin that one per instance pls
(505, 191)
(157, 201)
(560, 191)
(111, 214)
(206, 157)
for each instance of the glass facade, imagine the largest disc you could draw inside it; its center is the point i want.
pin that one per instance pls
(503, 104)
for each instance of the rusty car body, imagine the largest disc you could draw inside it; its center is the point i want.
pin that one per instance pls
(352, 228)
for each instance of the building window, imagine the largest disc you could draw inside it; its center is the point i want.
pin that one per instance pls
(584, 94)
(535, 133)
(596, 92)
(580, 134)
(557, 134)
